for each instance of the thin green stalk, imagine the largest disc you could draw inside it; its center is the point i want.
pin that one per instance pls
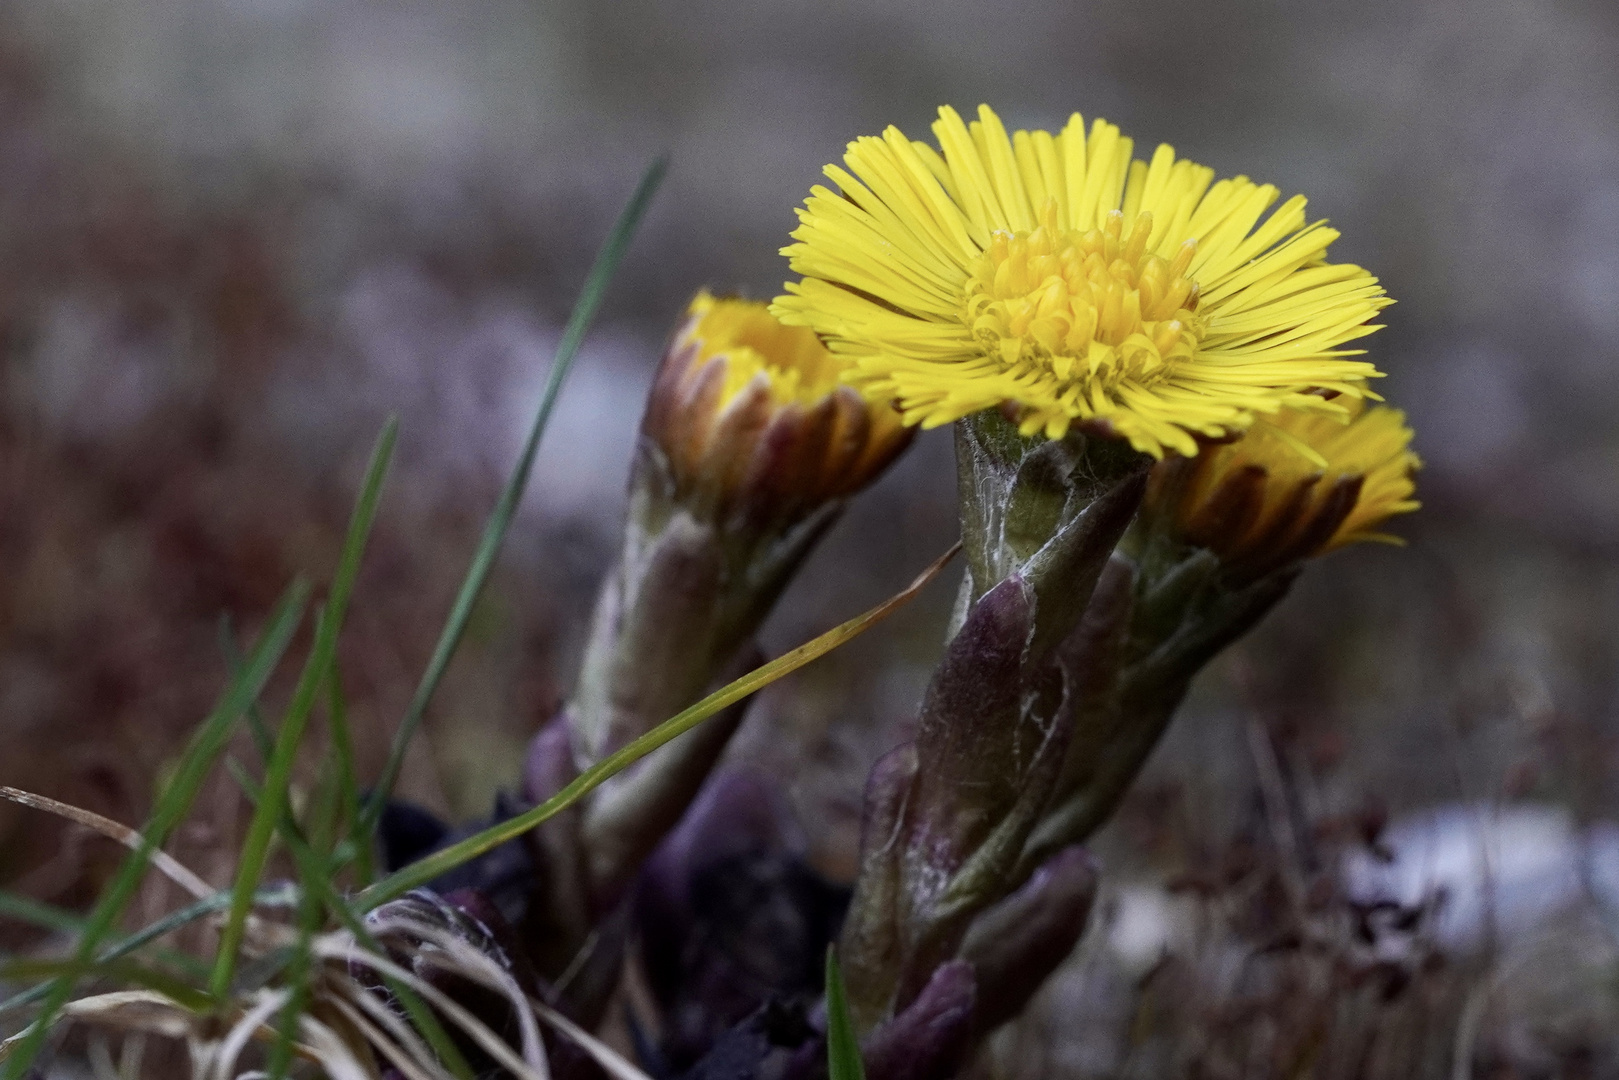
(271, 804)
(334, 790)
(318, 893)
(843, 1060)
(297, 961)
(347, 796)
(584, 313)
(244, 780)
(324, 809)
(322, 829)
(278, 774)
(172, 807)
(424, 871)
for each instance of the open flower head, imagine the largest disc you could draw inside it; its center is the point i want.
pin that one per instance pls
(1294, 485)
(755, 416)
(1053, 274)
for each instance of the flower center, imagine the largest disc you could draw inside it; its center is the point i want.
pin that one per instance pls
(1089, 307)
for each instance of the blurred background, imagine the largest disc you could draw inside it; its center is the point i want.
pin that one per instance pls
(235, 235)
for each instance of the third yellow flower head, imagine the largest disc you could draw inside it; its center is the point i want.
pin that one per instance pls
(1053, 274)
(1294, 486)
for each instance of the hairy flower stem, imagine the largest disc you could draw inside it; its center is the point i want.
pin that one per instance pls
(677, 611)
(1154, 621)
(948, 815)
(749, 448)
(1017, 496)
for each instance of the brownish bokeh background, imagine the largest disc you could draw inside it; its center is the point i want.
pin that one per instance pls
(235, 235)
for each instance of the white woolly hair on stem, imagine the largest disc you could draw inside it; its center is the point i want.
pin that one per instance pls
(475, 965)
(487, 1040)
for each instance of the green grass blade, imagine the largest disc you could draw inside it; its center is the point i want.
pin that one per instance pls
(420, 873)
(50, 917)
(361, 520)
(348, 778)
(141, 938)
(172, 807)
(244, 780)
(24, 909)
(321, 829)
(584, 313)
(272, 802)
(339, 793)
(843, 1061)
(319, 893)
(309, 923)
(234, 663)
(278, 774)
(321, 819)
(125, 972)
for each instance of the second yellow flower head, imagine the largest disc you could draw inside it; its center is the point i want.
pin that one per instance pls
(754, 417)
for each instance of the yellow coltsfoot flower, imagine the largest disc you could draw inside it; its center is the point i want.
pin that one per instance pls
(1053, 275)
(749, 412)
(1294, 486)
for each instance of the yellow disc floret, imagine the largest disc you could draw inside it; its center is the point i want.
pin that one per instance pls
(1054, 274)
(1075, 310)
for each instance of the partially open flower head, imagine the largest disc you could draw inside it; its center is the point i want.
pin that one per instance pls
(1053, 275)
(1295, 485)
(753, 416)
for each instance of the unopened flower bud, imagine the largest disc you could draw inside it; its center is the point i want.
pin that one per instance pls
(1296, 485)
(1220, 539)
(753, 421)
(749, 448)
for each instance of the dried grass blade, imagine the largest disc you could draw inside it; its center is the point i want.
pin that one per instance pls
(488, 1041)
(123, 834)
(611, 1060)
(242, 1032)
(172, 806)
(477, 967)
(340, 1060)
